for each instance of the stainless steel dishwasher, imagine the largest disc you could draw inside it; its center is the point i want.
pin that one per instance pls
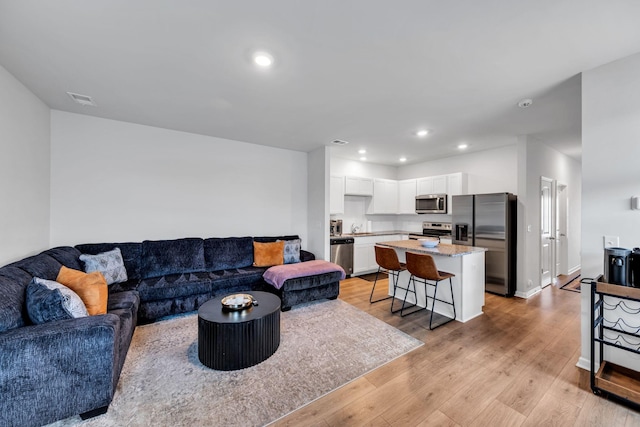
(342, 253)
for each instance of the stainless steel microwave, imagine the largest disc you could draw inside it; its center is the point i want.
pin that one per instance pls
(431, 204)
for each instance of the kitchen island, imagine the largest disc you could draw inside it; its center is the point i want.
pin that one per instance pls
(466, 262)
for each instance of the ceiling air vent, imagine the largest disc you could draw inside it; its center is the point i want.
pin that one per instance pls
(82, 99)
(339, 142)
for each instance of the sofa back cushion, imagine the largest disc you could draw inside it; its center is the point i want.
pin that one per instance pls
(65, 255)
(163, 257)
(269, 239)
(13, 283)
(41, 265)
(131, 254)
(228, 253)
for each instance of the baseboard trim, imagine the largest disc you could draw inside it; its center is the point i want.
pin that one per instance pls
(574, 270)
(584, 363)
(529, 293)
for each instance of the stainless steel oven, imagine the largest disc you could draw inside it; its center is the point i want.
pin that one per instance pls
(433, 229)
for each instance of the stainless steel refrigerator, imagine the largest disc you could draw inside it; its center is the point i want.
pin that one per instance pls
(489, 221)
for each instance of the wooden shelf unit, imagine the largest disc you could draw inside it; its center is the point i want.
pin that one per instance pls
(616, 380)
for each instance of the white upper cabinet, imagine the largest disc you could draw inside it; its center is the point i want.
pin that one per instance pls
(440, 184)
(336, 195)
(432, 185)
(385, 197)
(424, 185)
(357, 186)
(407, 192)
(456, 185)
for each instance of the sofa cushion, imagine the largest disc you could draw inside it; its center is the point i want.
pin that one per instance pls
(65, 255)
(90, 287)
(109, 263)
(174, 285)
(123, 300)
(163, 257)
(267, 239)
(13, 282)
(41, 265)
(131, 254)
(238, 278)
(268, 254)
(229, 252)
(48, 301)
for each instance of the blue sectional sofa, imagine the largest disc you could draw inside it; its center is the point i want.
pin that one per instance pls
(59, 369)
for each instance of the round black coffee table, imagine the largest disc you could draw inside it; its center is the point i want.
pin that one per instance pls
(229, 340)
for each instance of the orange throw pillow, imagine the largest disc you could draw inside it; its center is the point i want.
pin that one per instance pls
(268, 254)
(91, 288)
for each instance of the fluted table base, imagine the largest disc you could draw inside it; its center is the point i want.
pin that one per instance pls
(230, 340)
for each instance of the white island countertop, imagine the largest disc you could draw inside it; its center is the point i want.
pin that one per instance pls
(442, 249)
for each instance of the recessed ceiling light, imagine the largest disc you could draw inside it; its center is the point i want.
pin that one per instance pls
(463, 146)
(263, 59)
(363, 158)
(403, 159)
(362, 151)
(422, 132)
(525, 103)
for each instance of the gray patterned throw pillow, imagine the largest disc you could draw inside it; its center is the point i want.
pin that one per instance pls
(109, 263)
(292, 251)
(48, 301)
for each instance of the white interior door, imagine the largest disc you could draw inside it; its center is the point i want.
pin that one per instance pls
(562, 226)
(547, 229)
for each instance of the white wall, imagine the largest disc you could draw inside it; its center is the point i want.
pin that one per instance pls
(115, 181)
(24, 171)
(318, 200)
(610, 153)
(542, 160)
(344, 167)
(489, 171)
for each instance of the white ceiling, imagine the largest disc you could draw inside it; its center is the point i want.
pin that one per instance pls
(371, 72)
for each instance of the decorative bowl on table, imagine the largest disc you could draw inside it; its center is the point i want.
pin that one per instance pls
(429, 243)
(237, 302)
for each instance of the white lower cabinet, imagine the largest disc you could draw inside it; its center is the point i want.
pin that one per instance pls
(364, 253)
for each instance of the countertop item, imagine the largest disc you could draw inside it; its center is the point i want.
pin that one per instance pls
(442, 249)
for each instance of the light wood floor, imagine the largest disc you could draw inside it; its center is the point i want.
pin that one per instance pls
(512, 366)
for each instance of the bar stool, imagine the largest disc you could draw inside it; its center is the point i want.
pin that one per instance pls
(387, 260)
(423, 267)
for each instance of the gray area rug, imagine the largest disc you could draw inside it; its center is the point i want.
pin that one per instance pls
(323, 346)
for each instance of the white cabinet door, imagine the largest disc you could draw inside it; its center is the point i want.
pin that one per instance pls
(456, 185)
(364, 253)
(385, 197)
(361, 257)
(424, 185)
(336, 195)
(440, 184)
(407, 196)
(358, 186)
